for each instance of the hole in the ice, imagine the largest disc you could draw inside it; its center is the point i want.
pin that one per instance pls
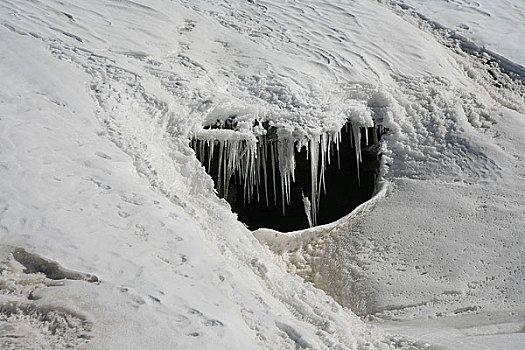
(274, 181)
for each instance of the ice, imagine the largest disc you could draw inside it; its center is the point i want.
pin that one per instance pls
(308, 210)
(263, 160)
(286, 162)
(314, 172)
(243, 155)
(356, 140)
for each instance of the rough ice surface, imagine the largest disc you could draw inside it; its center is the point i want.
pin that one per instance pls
(100, 98)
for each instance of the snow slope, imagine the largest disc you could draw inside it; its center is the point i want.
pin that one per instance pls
(498, 26)
(441, 257)
(97, 105)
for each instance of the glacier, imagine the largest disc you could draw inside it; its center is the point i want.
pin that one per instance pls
(100, 102)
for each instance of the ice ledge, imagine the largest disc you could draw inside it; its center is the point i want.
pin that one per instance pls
(282, 242)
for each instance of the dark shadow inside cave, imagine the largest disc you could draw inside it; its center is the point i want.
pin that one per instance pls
(346, 185)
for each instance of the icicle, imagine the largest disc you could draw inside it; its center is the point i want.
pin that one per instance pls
(286, 160)
(338, 143)
(245, 170)
(330, 150)
(245, 158)
(252, 169)
(264, 149)
(307, 209)
(233, 152)
(229, 158)
(210, 155)
(282, 195)
(314, 163)
(219, 177)
(273, 160)
(201, 151)
(258, 165)
(356, 132)
(324, 154)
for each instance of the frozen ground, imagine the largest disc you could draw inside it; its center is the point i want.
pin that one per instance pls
(98, 101)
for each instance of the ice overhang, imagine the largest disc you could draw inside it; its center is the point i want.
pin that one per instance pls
(284, 177)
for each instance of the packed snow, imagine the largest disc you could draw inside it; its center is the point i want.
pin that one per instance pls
(112, 234)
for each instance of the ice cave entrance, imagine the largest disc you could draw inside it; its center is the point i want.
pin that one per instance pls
(277, 181)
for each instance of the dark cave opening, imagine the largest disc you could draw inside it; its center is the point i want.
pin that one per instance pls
(347, 181)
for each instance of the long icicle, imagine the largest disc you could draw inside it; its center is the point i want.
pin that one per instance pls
(264, 148)
(219, 175)
(273, 160)
(356, 132)
(286, 156)
(314, 162)
(210, 155)
(323, 152)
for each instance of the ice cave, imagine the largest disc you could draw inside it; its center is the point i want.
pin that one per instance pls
(279, 180)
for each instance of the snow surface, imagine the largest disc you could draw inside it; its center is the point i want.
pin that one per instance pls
(497, 25)
(97, 106)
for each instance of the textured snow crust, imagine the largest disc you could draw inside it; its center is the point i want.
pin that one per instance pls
(98, 103)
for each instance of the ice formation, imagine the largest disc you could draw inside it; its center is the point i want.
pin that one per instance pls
(260, 161)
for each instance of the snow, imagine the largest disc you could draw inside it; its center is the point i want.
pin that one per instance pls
(498, 26)
(99, 102)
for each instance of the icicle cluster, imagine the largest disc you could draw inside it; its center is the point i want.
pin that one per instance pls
(246, 156)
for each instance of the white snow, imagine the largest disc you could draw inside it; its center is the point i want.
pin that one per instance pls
(99, 101)
(497, 25)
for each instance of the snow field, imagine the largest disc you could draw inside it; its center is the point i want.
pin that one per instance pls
(97, 107)
(170, 260)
